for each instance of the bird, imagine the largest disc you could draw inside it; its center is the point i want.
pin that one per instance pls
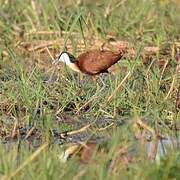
(92, 62)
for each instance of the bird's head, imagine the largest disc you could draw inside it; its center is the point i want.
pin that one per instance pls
(64, 57)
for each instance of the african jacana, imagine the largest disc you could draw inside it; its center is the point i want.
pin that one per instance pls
(91, 62)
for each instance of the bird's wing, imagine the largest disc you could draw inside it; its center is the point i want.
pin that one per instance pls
(94, 62)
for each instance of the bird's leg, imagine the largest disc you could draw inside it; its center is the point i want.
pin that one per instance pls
(103, 83)
(83, 80)
(103, 79)
(95, 95)
(80, 80)
(50, 78)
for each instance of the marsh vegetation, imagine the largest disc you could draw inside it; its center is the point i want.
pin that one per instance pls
(55, 124)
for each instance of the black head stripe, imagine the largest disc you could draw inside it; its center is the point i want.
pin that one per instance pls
(72, 58)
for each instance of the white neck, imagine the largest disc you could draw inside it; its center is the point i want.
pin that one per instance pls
(66, 59)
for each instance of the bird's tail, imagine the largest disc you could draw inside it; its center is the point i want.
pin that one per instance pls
(122, 47)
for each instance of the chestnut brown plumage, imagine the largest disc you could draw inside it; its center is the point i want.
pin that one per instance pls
(92, 62)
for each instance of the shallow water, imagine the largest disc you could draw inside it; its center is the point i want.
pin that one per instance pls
(164, 145)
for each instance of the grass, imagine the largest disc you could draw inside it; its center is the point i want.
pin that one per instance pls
(31, 31)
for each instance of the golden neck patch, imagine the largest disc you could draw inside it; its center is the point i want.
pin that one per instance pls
(74, 67)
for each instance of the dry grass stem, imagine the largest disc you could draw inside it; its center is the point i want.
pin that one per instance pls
(76, 131)
(162, 72)
(29, 133)
(106, 127)
(171, 87)
(119, 86)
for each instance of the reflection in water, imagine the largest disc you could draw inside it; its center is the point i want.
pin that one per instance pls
(164, 144)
